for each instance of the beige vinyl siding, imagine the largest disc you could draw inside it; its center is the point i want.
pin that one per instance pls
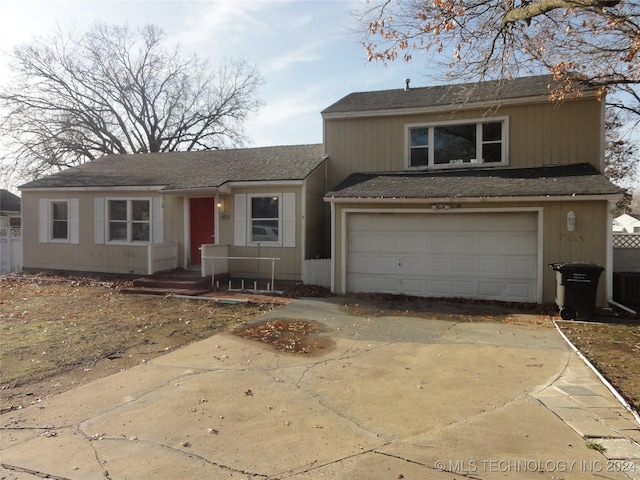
(86, 255)
(539, 134)
(586, 244)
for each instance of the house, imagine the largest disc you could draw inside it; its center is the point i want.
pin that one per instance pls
(467, 190)
(109, 215)
(9, 209)
(454, 191)
(626, 224)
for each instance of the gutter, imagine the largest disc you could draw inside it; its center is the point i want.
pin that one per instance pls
(405, 200)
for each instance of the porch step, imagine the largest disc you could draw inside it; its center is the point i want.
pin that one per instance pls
(180, 282)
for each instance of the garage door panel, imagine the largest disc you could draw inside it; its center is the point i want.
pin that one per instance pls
(463, 265)
(474, 255)
(490, 289)
(437, 265)
(362, 242)
(491, 265)
(522, 267)
(462, 288)
(462, 243)
(436, 243)
(414, 242)
(437, 286)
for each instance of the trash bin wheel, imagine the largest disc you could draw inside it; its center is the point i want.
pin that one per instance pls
(567, 313)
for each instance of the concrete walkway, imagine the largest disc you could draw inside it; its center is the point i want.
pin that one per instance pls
(388, 398)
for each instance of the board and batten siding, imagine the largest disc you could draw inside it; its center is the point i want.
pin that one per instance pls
(315, 215)
(587, 243)
(539, 134)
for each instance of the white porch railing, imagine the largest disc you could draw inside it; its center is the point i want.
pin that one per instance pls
(317, 272)
(210, 265)
(10, 249)
(162, 257)
(217, 252)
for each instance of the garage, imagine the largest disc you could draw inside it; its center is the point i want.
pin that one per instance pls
(484, 255)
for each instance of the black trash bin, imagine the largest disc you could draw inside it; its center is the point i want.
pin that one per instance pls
(576, 288)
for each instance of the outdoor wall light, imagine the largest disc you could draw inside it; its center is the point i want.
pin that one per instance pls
(571, 221)
(220, 205)
(440, 206)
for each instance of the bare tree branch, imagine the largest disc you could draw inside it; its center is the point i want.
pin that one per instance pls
(111, 90)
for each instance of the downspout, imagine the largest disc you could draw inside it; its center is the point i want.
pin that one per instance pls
(333, 247)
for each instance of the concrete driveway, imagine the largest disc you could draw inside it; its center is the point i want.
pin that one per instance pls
(388, 398)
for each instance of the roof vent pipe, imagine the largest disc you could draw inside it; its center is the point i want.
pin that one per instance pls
(406, 84)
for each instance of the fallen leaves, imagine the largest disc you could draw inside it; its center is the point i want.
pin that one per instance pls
(285, 335)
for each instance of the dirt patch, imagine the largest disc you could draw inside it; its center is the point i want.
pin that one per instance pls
(456, 310)
(286, 335)
(59, 333)
(613, 347)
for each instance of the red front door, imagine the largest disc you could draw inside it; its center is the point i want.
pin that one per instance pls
(201, 211)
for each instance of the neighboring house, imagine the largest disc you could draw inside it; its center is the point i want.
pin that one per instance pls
(104, 216)
(454, 191)
(626, 224)
(9, 209)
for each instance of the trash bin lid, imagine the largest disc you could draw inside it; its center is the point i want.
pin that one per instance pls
(583, 266)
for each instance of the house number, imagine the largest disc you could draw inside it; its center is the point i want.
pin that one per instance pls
(226, 216)
(571, 237)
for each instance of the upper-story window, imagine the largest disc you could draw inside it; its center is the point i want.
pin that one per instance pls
(129, 220)
(457, 143)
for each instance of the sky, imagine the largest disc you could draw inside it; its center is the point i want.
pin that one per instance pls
(307, 51)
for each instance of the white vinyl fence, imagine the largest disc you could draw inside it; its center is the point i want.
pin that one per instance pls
(317, 272)
(10, 249)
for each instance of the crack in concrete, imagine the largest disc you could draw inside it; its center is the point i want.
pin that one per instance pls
(436, 467)
(187, 454)
(294, 472)
(36, 473)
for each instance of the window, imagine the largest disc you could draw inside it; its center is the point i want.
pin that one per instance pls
(265, 219)
(59, 220)
(457, 143)
(129, 220)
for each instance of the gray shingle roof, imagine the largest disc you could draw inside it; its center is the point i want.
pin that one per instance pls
(9, 202)
(190, 170)
(443, 95)
(563, 180)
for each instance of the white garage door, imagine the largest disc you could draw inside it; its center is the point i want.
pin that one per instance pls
(472, 255)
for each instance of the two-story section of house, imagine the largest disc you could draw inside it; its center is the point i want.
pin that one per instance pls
(467, 190)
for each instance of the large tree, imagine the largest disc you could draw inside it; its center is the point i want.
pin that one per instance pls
(75, 97)
(593, 40)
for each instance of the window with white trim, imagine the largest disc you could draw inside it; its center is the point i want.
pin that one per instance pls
(264, 218)
(460, 143)
(59, 220)
(128, 220)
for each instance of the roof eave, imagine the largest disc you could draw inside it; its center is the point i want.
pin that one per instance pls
(507, 198)
(450, 106)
